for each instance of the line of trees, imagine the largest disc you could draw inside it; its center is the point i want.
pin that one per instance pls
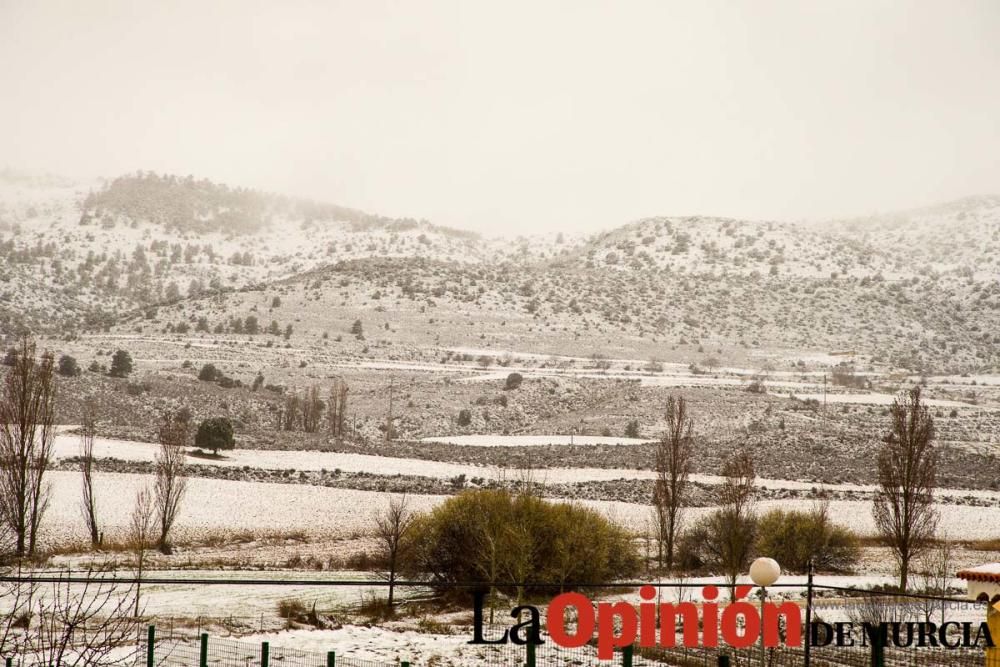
(58, 623)
(905, 517)
(27, 433)
(489, 536)
(304, 411)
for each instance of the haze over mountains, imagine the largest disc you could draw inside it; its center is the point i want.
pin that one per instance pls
(916, 290)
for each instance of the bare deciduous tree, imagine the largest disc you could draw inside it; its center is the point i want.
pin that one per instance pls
(904, 500)
(88, 432)
(312, 410)
(937, 568)
(337, 408)
(877, 608)
(526, 480)
(171, 481)
(737, 524)
(737, 490)
(291, 413)
(80, 622)
(391, 527)
(27, 412)
(389, 428)
(140, 536)
(673, 466)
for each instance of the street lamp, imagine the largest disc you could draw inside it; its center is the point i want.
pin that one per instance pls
(764, 572)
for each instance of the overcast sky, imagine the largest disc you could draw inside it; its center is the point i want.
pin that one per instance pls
(518, 117)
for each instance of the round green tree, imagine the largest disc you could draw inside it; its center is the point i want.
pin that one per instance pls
(215, 434)
(121, 364)
(68, 366)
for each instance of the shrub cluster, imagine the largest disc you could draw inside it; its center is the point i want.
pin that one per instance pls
(791, 537)
(514, 381)
(495, 536)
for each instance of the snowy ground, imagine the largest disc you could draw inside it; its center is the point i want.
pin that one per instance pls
(534, 440)
(377, 645)
(254, 605)
(214, 506)
(389, 645)
(871, 398)
(67, 445)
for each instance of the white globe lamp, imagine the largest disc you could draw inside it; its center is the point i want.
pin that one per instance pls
(764, 571)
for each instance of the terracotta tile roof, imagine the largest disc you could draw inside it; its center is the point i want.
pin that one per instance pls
(988, 572)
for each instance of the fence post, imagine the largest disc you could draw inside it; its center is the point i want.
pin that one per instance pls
(723, 660)
(150, 641)
(331, 659)
(531, 655)
(204, 650)
(809, 604)
(265, 654)
(9, 662)
(878, 651)
(627, 656)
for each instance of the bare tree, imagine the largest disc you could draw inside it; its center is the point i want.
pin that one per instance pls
(312, 409)
(83, 618)
(904, 500)
(388, 418)
(938, 566)
(27, 413)
(876, 608)
(737, 490)
(337, 408)
(525, 479)
(673, 466)
(391, 527)
(140, 536)
(736, 529)
(89, 502)
(171, 481)
(292, 411)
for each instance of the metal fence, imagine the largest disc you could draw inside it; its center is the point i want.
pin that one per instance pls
(197, 642)
(821, 657)
(207, 651)
(223, 652)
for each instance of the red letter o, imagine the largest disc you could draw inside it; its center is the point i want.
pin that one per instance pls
(584, 621)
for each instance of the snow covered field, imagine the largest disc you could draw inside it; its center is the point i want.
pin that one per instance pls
(214, 506)
(376, 645)
(644, 379)
(246, 602)
(876, 399)
(533, 440)
(67, 445)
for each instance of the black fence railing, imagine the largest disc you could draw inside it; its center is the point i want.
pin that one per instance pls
(189, 642)
(206, 651)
